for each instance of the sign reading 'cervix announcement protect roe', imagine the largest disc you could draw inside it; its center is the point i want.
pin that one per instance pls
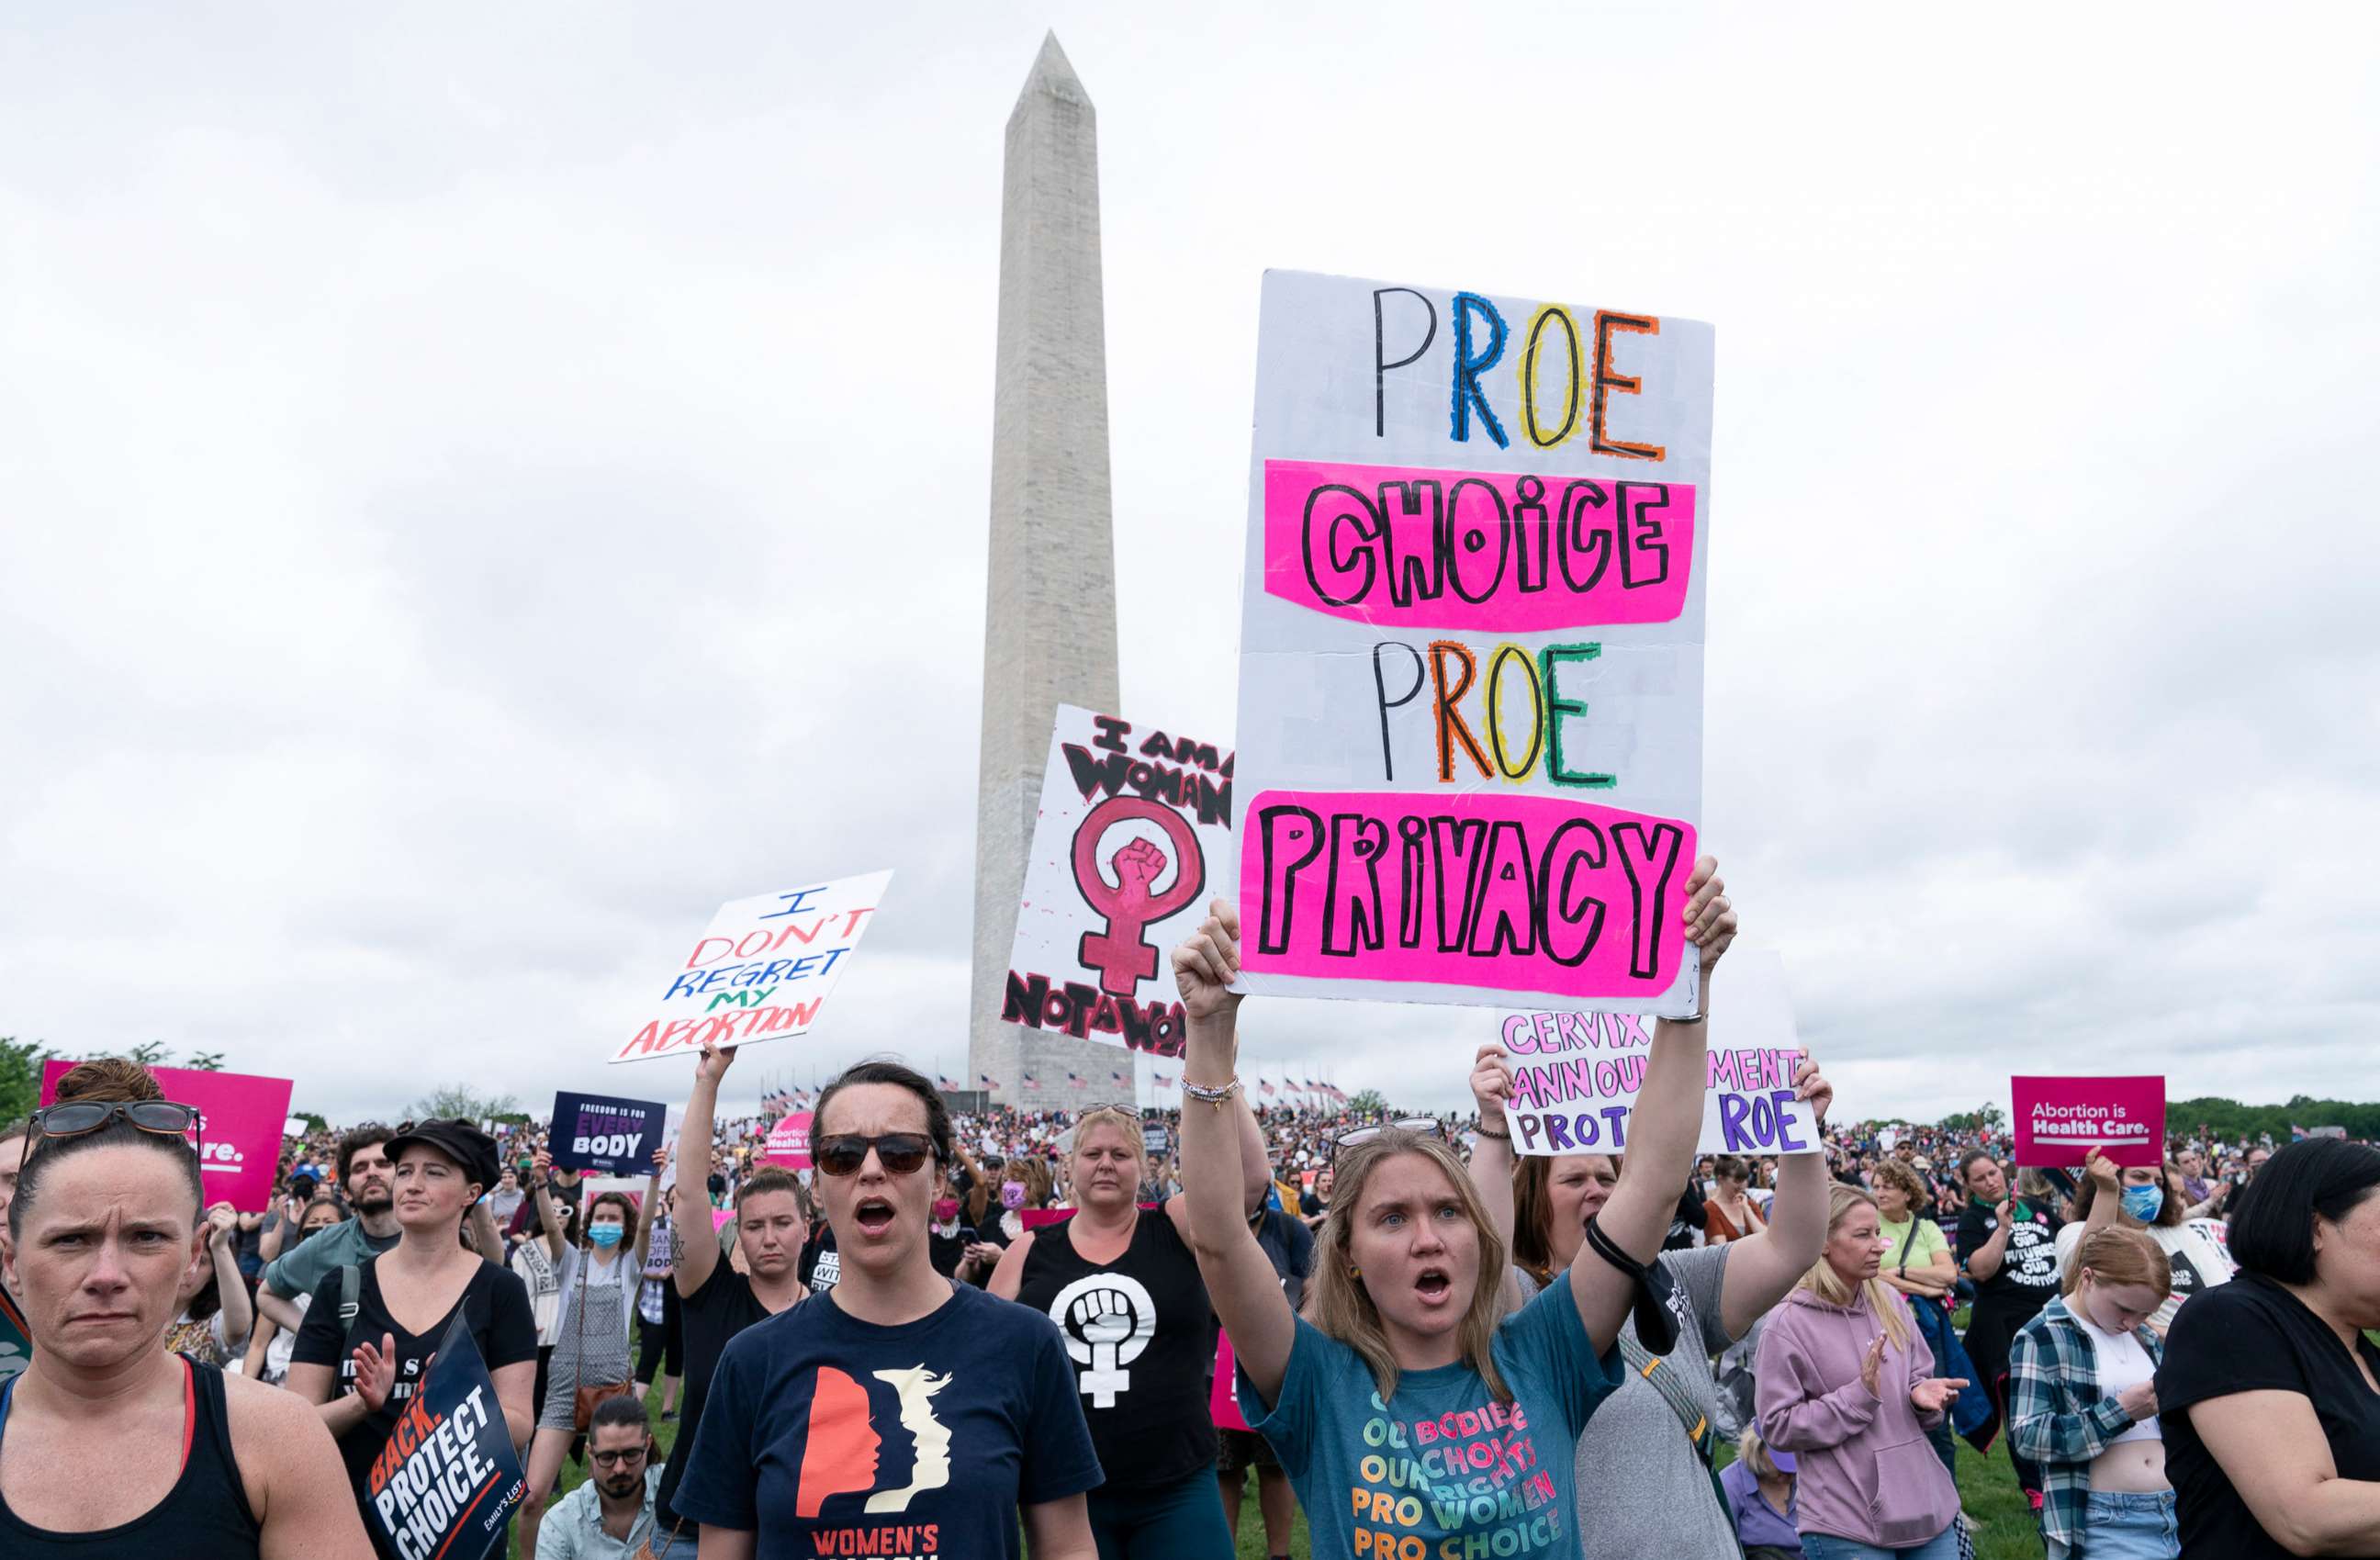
(1470, 659)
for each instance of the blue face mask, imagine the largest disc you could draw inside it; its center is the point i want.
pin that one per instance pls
(608, 1235)
(2143, 1202)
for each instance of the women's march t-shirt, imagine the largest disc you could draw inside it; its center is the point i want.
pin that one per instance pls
(824, 1434)
(1441, 1468)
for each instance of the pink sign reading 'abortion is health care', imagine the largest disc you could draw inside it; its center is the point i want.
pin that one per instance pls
(241, 1119)
(2060, 1120)
(1472, 623)
(789, 1142)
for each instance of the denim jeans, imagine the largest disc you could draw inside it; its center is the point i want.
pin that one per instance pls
(1943, 1545)
(2117, 1527)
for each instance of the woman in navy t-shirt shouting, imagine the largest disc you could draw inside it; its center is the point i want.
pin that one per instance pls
(899, 1412)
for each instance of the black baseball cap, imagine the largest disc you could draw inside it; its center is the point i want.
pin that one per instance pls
(456, 1138)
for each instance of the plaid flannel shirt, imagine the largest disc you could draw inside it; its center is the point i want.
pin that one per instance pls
(2059, 1417)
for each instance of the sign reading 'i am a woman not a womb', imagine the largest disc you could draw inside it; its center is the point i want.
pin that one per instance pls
(1470, 659)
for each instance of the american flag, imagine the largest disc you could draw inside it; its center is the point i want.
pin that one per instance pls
(1074, 1081)
(944, 1084)
(1265, 1086)
(1031, 1082)
(1163, 1081)
(985, 1079)
(1117, 1078)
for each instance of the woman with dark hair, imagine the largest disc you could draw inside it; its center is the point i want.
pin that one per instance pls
(216, 1312)
(1409, 1409)
(1729, 1214)
(273, 1367)
(900, 1400)
(360, 1373)
(2148, 1198)
(2270, 1389)
(597, 1279)
(109, 1445)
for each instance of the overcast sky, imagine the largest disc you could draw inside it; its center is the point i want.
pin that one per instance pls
(485, 485)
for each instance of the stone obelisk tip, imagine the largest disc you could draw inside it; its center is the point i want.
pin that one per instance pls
(1054, 75)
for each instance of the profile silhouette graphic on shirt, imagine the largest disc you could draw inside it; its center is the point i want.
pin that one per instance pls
(843, 1451)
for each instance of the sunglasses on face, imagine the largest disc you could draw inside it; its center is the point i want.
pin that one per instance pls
(901, 1153)
(75, 1117)
(1354, 1135)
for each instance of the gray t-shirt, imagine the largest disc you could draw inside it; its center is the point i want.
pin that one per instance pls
(1642, 1489)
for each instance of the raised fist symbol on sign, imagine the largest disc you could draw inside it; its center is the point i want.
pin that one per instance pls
(1123, 953)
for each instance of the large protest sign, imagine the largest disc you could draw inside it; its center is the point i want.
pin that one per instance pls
(1134, 839)
(2060, 1120)
(1471, 657)
(1577, 1075)
(789, 1142)
(604, 1133)
(241, 1118)
(761, 971)
(447, 1479)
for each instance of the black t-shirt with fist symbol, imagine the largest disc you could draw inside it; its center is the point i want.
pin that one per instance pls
(1141, 1334)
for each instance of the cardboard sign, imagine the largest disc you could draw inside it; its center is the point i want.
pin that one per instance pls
(1471, 657)
(2060, 1120)
(239, 1121)
(1575, 1075)
(447, 1479)
(1134, 840)
(761, 971)
(789, 1142)
(605, 1133)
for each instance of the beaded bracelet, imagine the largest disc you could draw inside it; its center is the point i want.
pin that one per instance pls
(1217, 1097)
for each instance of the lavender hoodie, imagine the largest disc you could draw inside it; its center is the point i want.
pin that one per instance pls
(1867, 1472)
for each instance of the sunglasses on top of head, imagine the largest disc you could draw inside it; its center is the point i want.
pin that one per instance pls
(901, 1153)
(1354, 1135)
(75, 1117)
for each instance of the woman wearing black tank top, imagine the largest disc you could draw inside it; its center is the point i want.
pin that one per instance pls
(1125, 1290)
(109, 1445)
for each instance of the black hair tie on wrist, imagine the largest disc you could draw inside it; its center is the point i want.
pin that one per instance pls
(1656, 1325)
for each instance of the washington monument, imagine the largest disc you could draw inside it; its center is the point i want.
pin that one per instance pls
(1050, 627)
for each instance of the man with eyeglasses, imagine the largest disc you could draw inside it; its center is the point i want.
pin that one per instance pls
(610, 1516)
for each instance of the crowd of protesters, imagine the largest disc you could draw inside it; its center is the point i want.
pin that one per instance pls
(961, 1330)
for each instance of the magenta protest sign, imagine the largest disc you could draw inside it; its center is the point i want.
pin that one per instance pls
(240, 1121)
(789, 1142)
(1469, 760)
(2060, 1120)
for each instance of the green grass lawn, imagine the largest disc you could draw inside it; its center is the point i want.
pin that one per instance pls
(1987, 1485)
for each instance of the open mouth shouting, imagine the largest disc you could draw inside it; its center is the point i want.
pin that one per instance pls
(873, 1216)
(1434, 1285)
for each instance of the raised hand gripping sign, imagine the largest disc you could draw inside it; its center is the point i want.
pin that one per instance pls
(447, 1479)
(761, 971)
(1471, 655)
(1134, 837)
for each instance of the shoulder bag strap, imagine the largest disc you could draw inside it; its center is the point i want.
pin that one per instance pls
(350, 1283)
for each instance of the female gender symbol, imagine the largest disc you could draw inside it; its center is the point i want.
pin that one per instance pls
(1123, 953)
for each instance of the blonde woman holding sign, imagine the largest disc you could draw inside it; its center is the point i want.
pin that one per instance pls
(1404, 1350)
